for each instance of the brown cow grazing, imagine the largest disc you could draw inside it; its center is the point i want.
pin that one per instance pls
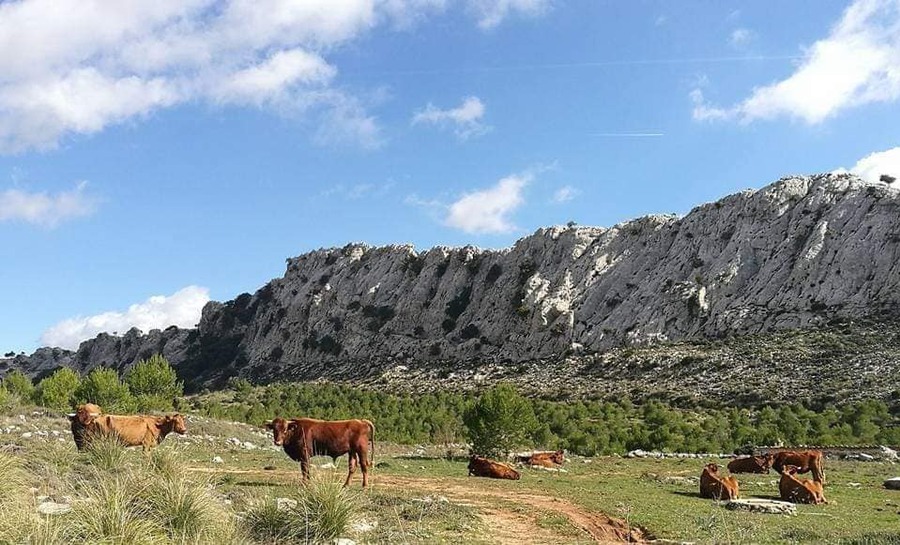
(799, 490)
(83, 416)
(751, 464)
(146, 431)
(303, 438)
(716, 487)
(482, 467)
(544, 459)
(805, 461)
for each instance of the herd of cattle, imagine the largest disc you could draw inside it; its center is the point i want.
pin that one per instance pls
(302, 438)
(786, 462)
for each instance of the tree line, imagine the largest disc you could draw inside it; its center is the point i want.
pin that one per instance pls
(497, 420)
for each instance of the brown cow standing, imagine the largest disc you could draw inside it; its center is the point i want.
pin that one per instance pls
(303, 438)
(482, 467)
(147, 431)
(751, 464)
(716, 487)
(83, 416)
(804, 461)
(800, 490)
(545, 459)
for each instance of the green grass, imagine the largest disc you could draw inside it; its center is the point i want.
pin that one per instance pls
(157, 500)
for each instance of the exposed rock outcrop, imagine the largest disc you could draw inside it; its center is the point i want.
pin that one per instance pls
(798, 253)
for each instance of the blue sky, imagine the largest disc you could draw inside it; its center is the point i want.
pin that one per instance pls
(152, 158)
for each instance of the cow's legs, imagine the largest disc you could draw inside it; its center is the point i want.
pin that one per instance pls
(351, 467)
(304, 468)
(364, 465)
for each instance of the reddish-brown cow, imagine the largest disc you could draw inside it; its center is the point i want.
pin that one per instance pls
(800, 490)
(545, 459)
(303, 438)
(146, 431)
(83, 416)
(716, 487)
(751, 464)
(482, 467)
(805, 461)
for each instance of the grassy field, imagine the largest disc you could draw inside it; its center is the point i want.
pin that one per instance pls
(419, 497)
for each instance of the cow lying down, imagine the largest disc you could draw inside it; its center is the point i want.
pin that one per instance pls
(543, 459)
(482, 467)
(132, 430)
(716, 487)
(797, 490)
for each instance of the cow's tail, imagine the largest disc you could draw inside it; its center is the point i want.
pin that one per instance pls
(372, 438)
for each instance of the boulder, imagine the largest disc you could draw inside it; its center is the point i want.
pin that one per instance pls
(52, 508)
(893, 483)
(757, 505)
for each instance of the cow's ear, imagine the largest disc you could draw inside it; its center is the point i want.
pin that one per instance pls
(71, 416)
(268, 424)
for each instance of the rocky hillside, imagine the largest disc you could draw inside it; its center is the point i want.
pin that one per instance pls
(799, 253)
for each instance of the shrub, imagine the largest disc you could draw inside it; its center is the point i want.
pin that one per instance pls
(58, 390)
(500, 420)
(103, 387)
(322, 512)
(18, 383)
(113, 512)
(106, 452)
(154, 383)
(187, 511)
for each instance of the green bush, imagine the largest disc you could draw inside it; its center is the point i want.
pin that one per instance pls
(103, 387)
(18, 383)
(499, 421)
(58, 390)
(154, 383)
(318, 513)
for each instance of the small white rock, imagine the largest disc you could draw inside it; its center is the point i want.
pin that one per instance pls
(53, 508)
(218, 460)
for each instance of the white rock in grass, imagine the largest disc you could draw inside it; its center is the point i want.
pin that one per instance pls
(328, 465)
(364, 525)
(343, 541)
(285, 503)
(756, 505)
(218, 460)
(892, 483)
(247, 445)
(53, 508)
(27, 435)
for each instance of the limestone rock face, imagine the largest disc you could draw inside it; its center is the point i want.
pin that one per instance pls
(798, 253)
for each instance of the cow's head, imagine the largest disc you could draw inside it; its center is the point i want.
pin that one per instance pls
(768, 459)
(177, 422)
(558, 457)
(712, 468)
(279, 427)
(85, 414)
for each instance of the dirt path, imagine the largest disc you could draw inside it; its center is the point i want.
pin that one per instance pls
(509, 517)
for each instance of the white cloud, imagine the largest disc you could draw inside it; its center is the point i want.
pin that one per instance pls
(465, 120)
(565, 194)
(488, 210)
(858, 63)
(181, 309)
(491, 13)
(873, 166)
(71, 67)
(741, 37)
(46, 209)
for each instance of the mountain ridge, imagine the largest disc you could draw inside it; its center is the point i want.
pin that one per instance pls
(799, 253)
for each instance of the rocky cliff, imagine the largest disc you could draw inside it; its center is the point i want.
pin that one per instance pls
(799, 253)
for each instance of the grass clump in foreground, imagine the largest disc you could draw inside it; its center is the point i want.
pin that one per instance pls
(318, 511)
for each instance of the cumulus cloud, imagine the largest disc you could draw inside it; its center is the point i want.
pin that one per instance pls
(565, 194)
(488, 210)
(873, 166)
(72, 67)
(181, 309)
(491, 13)
(857, 63)
(465, 119)
(46, 209)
